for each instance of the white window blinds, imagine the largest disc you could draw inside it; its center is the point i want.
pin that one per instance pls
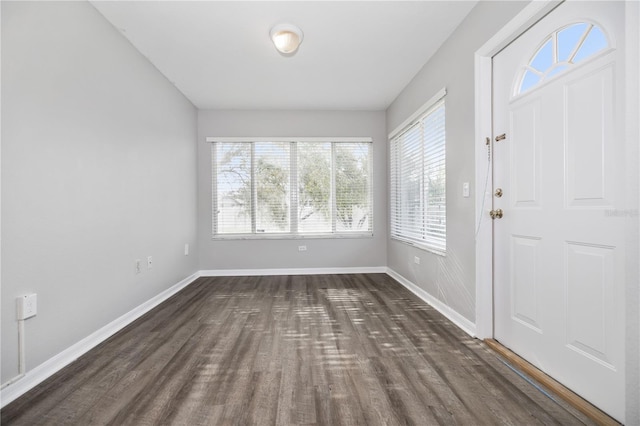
(289, 187)
(418, 181)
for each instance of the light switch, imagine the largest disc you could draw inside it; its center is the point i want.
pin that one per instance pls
(465, 190)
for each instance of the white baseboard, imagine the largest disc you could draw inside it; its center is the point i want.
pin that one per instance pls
(453, 316)
(292, 271)
(53, 365)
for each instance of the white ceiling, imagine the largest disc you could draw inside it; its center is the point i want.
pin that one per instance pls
(356, 55)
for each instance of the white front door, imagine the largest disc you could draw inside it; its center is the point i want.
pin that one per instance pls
(558, 93)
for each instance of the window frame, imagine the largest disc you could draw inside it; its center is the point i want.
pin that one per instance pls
(293, 233)
(569, 64)
(426, 243)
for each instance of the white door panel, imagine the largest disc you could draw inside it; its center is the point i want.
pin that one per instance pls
(590, 276)
(558, 252)
(588, 124)
(525, 298)
(525, 179)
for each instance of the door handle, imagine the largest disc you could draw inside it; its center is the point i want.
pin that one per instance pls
(496, 214)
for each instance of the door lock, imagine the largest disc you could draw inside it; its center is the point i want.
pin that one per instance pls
(498, 192)
(496, 214)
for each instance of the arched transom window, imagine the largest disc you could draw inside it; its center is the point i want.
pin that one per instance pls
(560, 51)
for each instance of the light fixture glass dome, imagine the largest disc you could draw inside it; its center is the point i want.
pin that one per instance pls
(286, 38)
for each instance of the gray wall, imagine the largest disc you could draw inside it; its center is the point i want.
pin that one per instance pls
(274, 254)
(451, 279)
(98, 169)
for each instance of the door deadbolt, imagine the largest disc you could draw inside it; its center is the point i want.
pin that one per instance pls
(498, 192)
(496, 214)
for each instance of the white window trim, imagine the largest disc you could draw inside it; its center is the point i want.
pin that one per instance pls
(416, 116)
(232, 139)
(296, 235)
(421, 111)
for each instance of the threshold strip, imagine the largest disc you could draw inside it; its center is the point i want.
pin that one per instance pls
(525, 369)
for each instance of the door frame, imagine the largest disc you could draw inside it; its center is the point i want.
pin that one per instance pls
(532, 13)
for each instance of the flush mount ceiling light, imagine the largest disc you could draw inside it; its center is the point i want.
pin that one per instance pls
(286, 38)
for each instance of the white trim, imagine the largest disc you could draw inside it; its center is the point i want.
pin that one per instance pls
(287, 154)
(72, 353)
(1, 181)
(32, 378)
(463, 323)
(236, 139)
(291, 236)
(531, 14)
(632, 134)
(425, 236)
(422, 110)
(483, 198)
(291, 271)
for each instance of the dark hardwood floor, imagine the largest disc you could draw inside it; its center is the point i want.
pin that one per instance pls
(283, 350)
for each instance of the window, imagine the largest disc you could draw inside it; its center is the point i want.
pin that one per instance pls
(286, 187)
(418, 179)
(560, 51)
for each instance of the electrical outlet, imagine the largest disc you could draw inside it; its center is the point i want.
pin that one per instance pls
(416, 260)
(138, 266)
(27, 306)
(302, 248)
(149, 262)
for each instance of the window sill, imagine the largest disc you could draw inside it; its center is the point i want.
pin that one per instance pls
(289, 236)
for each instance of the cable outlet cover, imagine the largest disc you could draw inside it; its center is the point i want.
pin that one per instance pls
(27, 306)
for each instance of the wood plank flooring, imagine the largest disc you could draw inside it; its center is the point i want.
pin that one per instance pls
(290, 350)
